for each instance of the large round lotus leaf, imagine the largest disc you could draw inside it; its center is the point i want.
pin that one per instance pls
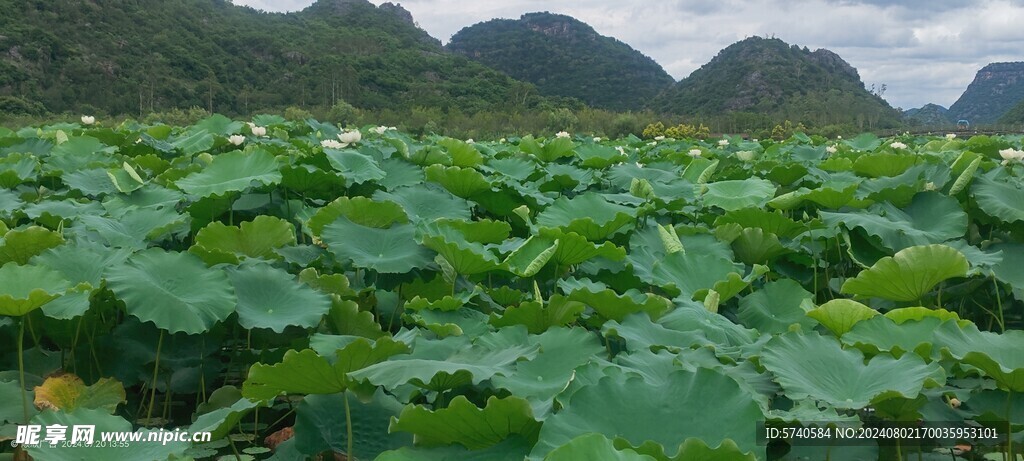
(594, 446)
(461, 182)
(1010, 269)
(930, 218)
(590, 215)
(738, 194)
(884, 164)
(464, 423)
(465, 256)
(840, 315)
(20, 245)
(815, 367)
(704, 404)
(254, 239)
(777, 306)
(356, 167)
(359, 210)
(997, 355)
(391, 250)
(136, 228)
(26, 288)
(574, 248)
(102, 423)
(768, 221)
(218, 124)
(425, 203)
(999, 199)
(910, 274)
(233, 171)
(320, 425)
(882, 334)
(175, 291)
(272, 298)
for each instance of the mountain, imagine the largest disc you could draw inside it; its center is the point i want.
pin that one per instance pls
(768, 76)
(132, 57)
(565, 57)
(928, 115)
(996, 88)
(1014, 116)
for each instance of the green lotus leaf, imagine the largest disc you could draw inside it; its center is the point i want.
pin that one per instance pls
(125, 179)
(310, 180)
(640, 334)
(884, 164)
(910, 274)
(68, 393)
(698, 449)
(17, 169)
(11, 391)
(1008, 270)
(864, 142)
(252, 239)
(136, 229)
(392, 250)
(612, 306)
(461, 182)
(468, 322)
(306, 372)
(102, 422)
(483, 231)
(321, 425)
(222, 421)
(511, 449)
(686, 273)
(345, 318)
(80, 152)
(998, 199)
(594, 446)
(777, 306)
(334, 284)
(466, 257)
(355, 166)
(966, 176)
(232, 172)
(540, 379)
(738, 194)
(151, 196)
(26, 288)
(20, 245)
(552, 150)
(997, 355)
(464, 423)
(81, 263)
(590, 215)
(9, 201)
(531, 256)
(217, 124)
(815, 367)
(768, 221)
(537, 317)
(840, 315)
(882, 334)
(930, 218)
(918, 313)
(463, 154)
(272, 298)
(513, 168)
(452, 361)
(359, 210)
(92, 182)
(574, 248)
(705, 404)
(426, 204)
(175, 291)
(755, 246)
(598, 155)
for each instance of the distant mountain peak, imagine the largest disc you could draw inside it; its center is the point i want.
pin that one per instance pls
(565, 57)
(996, 89)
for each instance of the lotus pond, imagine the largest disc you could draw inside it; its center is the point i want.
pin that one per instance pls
(300, 294)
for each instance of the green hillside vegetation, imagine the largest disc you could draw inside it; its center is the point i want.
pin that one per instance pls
(131, 57)
(565, 57)
(1014, 116)
(928, 115)
(759, 78)
(996, 89)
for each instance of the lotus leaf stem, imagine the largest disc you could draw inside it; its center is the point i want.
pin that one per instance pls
(156, 370)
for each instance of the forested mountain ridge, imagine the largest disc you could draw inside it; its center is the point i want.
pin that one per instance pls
(134, 57)
(770, 77)
(565, 57)
(996, 89)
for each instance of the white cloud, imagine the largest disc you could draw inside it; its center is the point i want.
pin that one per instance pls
(923, 50)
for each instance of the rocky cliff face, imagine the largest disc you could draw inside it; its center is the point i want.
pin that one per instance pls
(996, 89)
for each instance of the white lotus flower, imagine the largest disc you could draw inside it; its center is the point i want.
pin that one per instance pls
(1010, 155)
(259, 131)
(331, 144)
(695, 153)
(503, 140)
(562, 134)
(597, 139)
(88, 120)
(746, 155)
(723, 142)
(236, 139)
(831, 149)
(350, 137)
(898, 145)
(251, 125)
(638, 165)
(470, 141)
(379, 130)
(950, 136)
(929, 186)
(621, 150)
(839, 137)
(659, 138)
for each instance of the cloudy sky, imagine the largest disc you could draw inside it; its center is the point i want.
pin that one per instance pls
(922, 50)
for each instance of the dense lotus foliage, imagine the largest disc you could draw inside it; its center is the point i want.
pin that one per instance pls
(555, 299)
